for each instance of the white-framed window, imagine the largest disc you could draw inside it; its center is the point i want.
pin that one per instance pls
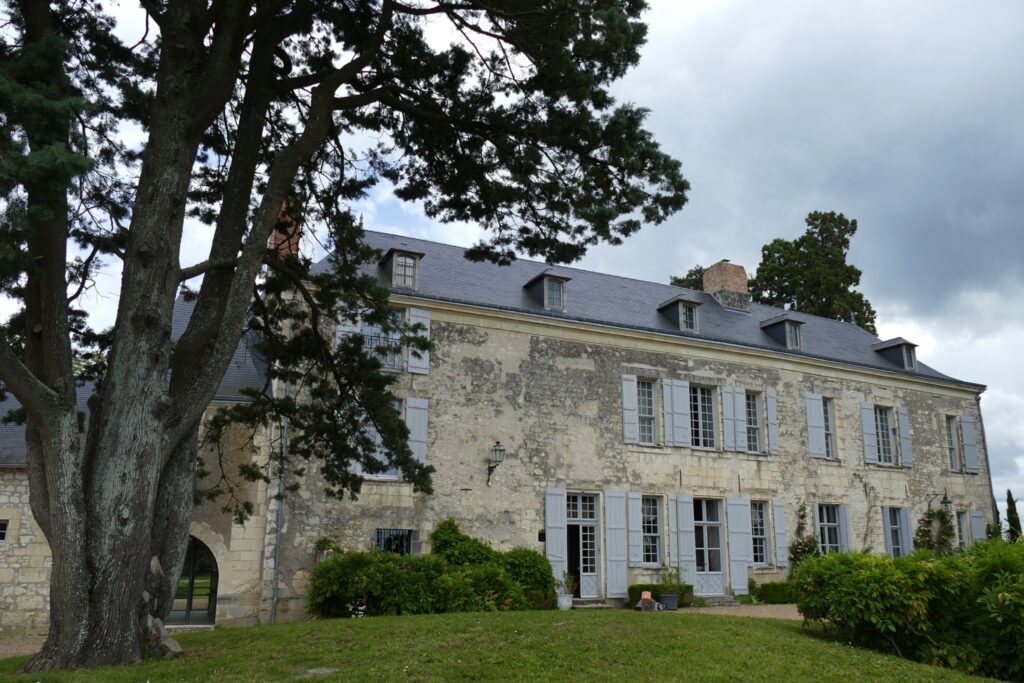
(752, 405)
(828, 413)
(645, 410)
(580, 506)
(962, 533)
(4, 523)
(909, 357)
(650, 510)
(391, 354)
(828, 528)
(759, 530)
(403, 271)
(707, 528)
(688, 317)
(953, 442)
(894, 528)
(792, 335)
(702, 416)
(883, 432)
(554, 294)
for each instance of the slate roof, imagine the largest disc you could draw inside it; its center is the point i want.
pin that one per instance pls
(246, 370)
(445, 275)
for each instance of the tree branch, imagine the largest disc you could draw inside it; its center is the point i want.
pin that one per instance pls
(153, 10)
(206, 266)
(40, 401)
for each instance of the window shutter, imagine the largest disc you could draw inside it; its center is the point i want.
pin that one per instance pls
(781, 535)
(554, 530)
(676, 401)
(741, 550)
(416, 421)
(686, 539)
(636, 551)
(867, 420)
(970, 444)
(845, 532)
(815, 425)
(739, 411)
(906, 531)
(630, 412)
(977, 526)
(906, 444)
(817, 528)
(729, 419)
(615, 540)
(673, 541)
(771, 406)
(886, 531)
(421, 365)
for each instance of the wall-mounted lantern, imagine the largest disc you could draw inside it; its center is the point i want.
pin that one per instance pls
(495, 457)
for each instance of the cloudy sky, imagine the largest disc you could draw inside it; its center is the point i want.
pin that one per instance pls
(906, 116)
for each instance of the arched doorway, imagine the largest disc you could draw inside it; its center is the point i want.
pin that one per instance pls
(195, 601)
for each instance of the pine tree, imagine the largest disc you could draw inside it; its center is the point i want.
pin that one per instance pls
(1012, 518)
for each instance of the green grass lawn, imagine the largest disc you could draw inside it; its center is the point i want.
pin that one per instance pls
(591, 645)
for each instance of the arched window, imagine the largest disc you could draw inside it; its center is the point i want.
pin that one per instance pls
(195, 601)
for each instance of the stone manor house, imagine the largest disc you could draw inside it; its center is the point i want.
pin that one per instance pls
(640, 425)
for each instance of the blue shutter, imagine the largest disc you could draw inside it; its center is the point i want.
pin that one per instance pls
(970, 444)
(815, 425)
(739, 411)
(636, 550)
(686, 539)
(673, 542)
(867, 423)
(554, 530)
(771, 405)
(906, 531)
(906, 443)
(729, 419)
(416, 421)
(977, 526)
(781, 535)
(741, 550)
(630, 411)
(615, 542)
(886, 531)
(676, 403)
(421, 365)
(845, 532)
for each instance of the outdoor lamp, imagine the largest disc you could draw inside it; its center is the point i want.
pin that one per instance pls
(946, 503)
(494, 458)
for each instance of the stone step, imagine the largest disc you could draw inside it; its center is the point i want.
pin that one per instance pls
(590, 603)
(719, 600)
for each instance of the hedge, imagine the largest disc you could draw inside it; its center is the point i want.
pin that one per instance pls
(775, 593)
(636, 590)
(964, 611)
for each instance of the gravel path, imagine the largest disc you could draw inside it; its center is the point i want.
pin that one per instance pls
(20, 645)
(762, 611)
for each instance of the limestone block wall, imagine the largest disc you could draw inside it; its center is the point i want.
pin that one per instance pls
(551, 392)
(24, 561)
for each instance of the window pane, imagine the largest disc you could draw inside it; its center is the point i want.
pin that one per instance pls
(753, 424)
(712, 506)
(645, 410)
(714, 560)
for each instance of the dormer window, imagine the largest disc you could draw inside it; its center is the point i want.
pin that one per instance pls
(402, 267)
(547, 289)
(792, 335)
(554, 294)
(403, 273)
(785, 329)
(681, 311)
(898, 351)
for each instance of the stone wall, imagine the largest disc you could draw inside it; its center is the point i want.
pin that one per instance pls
(24, 561)
(551, 393)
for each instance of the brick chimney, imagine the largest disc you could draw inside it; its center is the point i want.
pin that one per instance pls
(288, 231)
(727, 282)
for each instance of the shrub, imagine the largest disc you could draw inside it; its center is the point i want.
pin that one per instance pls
(498, 591)
(457, 548)
(775, 593)
(532, 571)
(964, 611)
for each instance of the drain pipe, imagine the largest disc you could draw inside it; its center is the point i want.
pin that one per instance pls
(279, 517)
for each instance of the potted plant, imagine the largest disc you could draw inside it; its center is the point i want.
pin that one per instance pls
(668, 579)
(565, 587)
